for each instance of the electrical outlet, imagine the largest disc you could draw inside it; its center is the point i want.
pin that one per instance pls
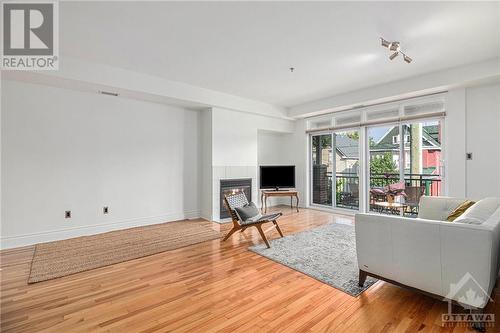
(67, 214)
(105, 210)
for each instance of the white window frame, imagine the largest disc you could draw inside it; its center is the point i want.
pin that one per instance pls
(364, 158)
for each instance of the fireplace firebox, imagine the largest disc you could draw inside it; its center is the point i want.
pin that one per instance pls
(233, 186)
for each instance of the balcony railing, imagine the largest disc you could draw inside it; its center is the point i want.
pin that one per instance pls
(347, 187)
(430, 182)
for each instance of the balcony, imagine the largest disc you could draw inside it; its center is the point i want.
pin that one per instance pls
(347, 189)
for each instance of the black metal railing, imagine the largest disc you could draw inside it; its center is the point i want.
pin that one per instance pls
(347, 186)
(347, 190)
(430, 182)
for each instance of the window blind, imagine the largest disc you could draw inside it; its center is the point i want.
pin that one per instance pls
(400, 111)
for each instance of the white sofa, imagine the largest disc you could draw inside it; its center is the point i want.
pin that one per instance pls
(430, 254)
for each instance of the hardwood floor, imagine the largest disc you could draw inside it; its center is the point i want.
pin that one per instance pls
(210, 287)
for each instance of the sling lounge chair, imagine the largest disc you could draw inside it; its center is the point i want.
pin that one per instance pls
(239, 200)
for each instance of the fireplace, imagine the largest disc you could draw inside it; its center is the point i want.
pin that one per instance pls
(233, 186)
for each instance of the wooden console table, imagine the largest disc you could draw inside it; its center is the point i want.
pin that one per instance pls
(285, 193)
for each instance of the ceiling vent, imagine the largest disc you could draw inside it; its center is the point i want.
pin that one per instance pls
(109, 93)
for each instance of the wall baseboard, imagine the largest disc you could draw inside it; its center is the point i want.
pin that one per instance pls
(53, 235)
(207, 217)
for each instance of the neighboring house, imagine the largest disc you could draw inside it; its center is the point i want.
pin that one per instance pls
(346, 155)
(430, 148)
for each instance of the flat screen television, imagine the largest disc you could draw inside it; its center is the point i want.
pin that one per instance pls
(277, 176)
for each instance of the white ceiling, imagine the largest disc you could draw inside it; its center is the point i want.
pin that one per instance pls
(245, 49)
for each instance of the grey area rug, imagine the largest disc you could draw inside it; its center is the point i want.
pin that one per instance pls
(326, 253)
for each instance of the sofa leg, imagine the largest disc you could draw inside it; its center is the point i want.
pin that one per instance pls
(362, 278)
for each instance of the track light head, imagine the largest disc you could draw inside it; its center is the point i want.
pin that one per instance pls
(384, 42)
(394, 46)
(394, 55)
(407, 59)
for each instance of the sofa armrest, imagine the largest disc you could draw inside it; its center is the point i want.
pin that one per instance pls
(424, 254)
(437, 208)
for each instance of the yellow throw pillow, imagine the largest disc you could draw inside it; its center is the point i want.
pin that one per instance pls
(459, 210)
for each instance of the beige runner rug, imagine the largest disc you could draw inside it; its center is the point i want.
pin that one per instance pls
(65, 257)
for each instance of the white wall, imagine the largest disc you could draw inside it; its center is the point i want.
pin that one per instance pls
(235, 135)
(205, 127)
(235, 148)
(483, 141)
(455, 144)
(86, 75)
(274, 148)
(283, 148)
(67, 150)
(473, 125)
(299, 144)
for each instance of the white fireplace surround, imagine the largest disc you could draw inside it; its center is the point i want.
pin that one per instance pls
(231, 172)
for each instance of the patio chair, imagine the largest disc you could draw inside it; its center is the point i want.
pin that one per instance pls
(354, 188)
(239, 200)
(376, 195)
(351, 198)
(396, 189)
(413, 195)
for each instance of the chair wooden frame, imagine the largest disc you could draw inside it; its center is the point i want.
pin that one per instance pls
(237, 226)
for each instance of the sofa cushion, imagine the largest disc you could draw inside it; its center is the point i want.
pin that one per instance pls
(459, 210)
(480, 211)
(248, 213)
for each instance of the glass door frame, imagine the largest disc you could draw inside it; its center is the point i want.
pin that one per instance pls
(334, 178)
(366, 166)
(311, 169)
(402, 156)
(442, 159)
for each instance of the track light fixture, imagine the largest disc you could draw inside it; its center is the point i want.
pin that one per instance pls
(394, 55)
(406, 58)
(384, 42)
(396, 48)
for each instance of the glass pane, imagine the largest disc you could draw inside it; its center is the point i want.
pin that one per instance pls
(386, 189)
(321, 122)
(347, 169)
(322, 169)
(422, 163)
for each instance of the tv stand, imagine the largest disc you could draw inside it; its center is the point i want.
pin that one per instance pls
(279, 193)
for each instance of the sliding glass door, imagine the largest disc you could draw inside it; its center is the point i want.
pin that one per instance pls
(385, 174)
(322, 167)
(405, 163)
(381, 158)
(422, 162)
(346, 169)
(335, 169)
